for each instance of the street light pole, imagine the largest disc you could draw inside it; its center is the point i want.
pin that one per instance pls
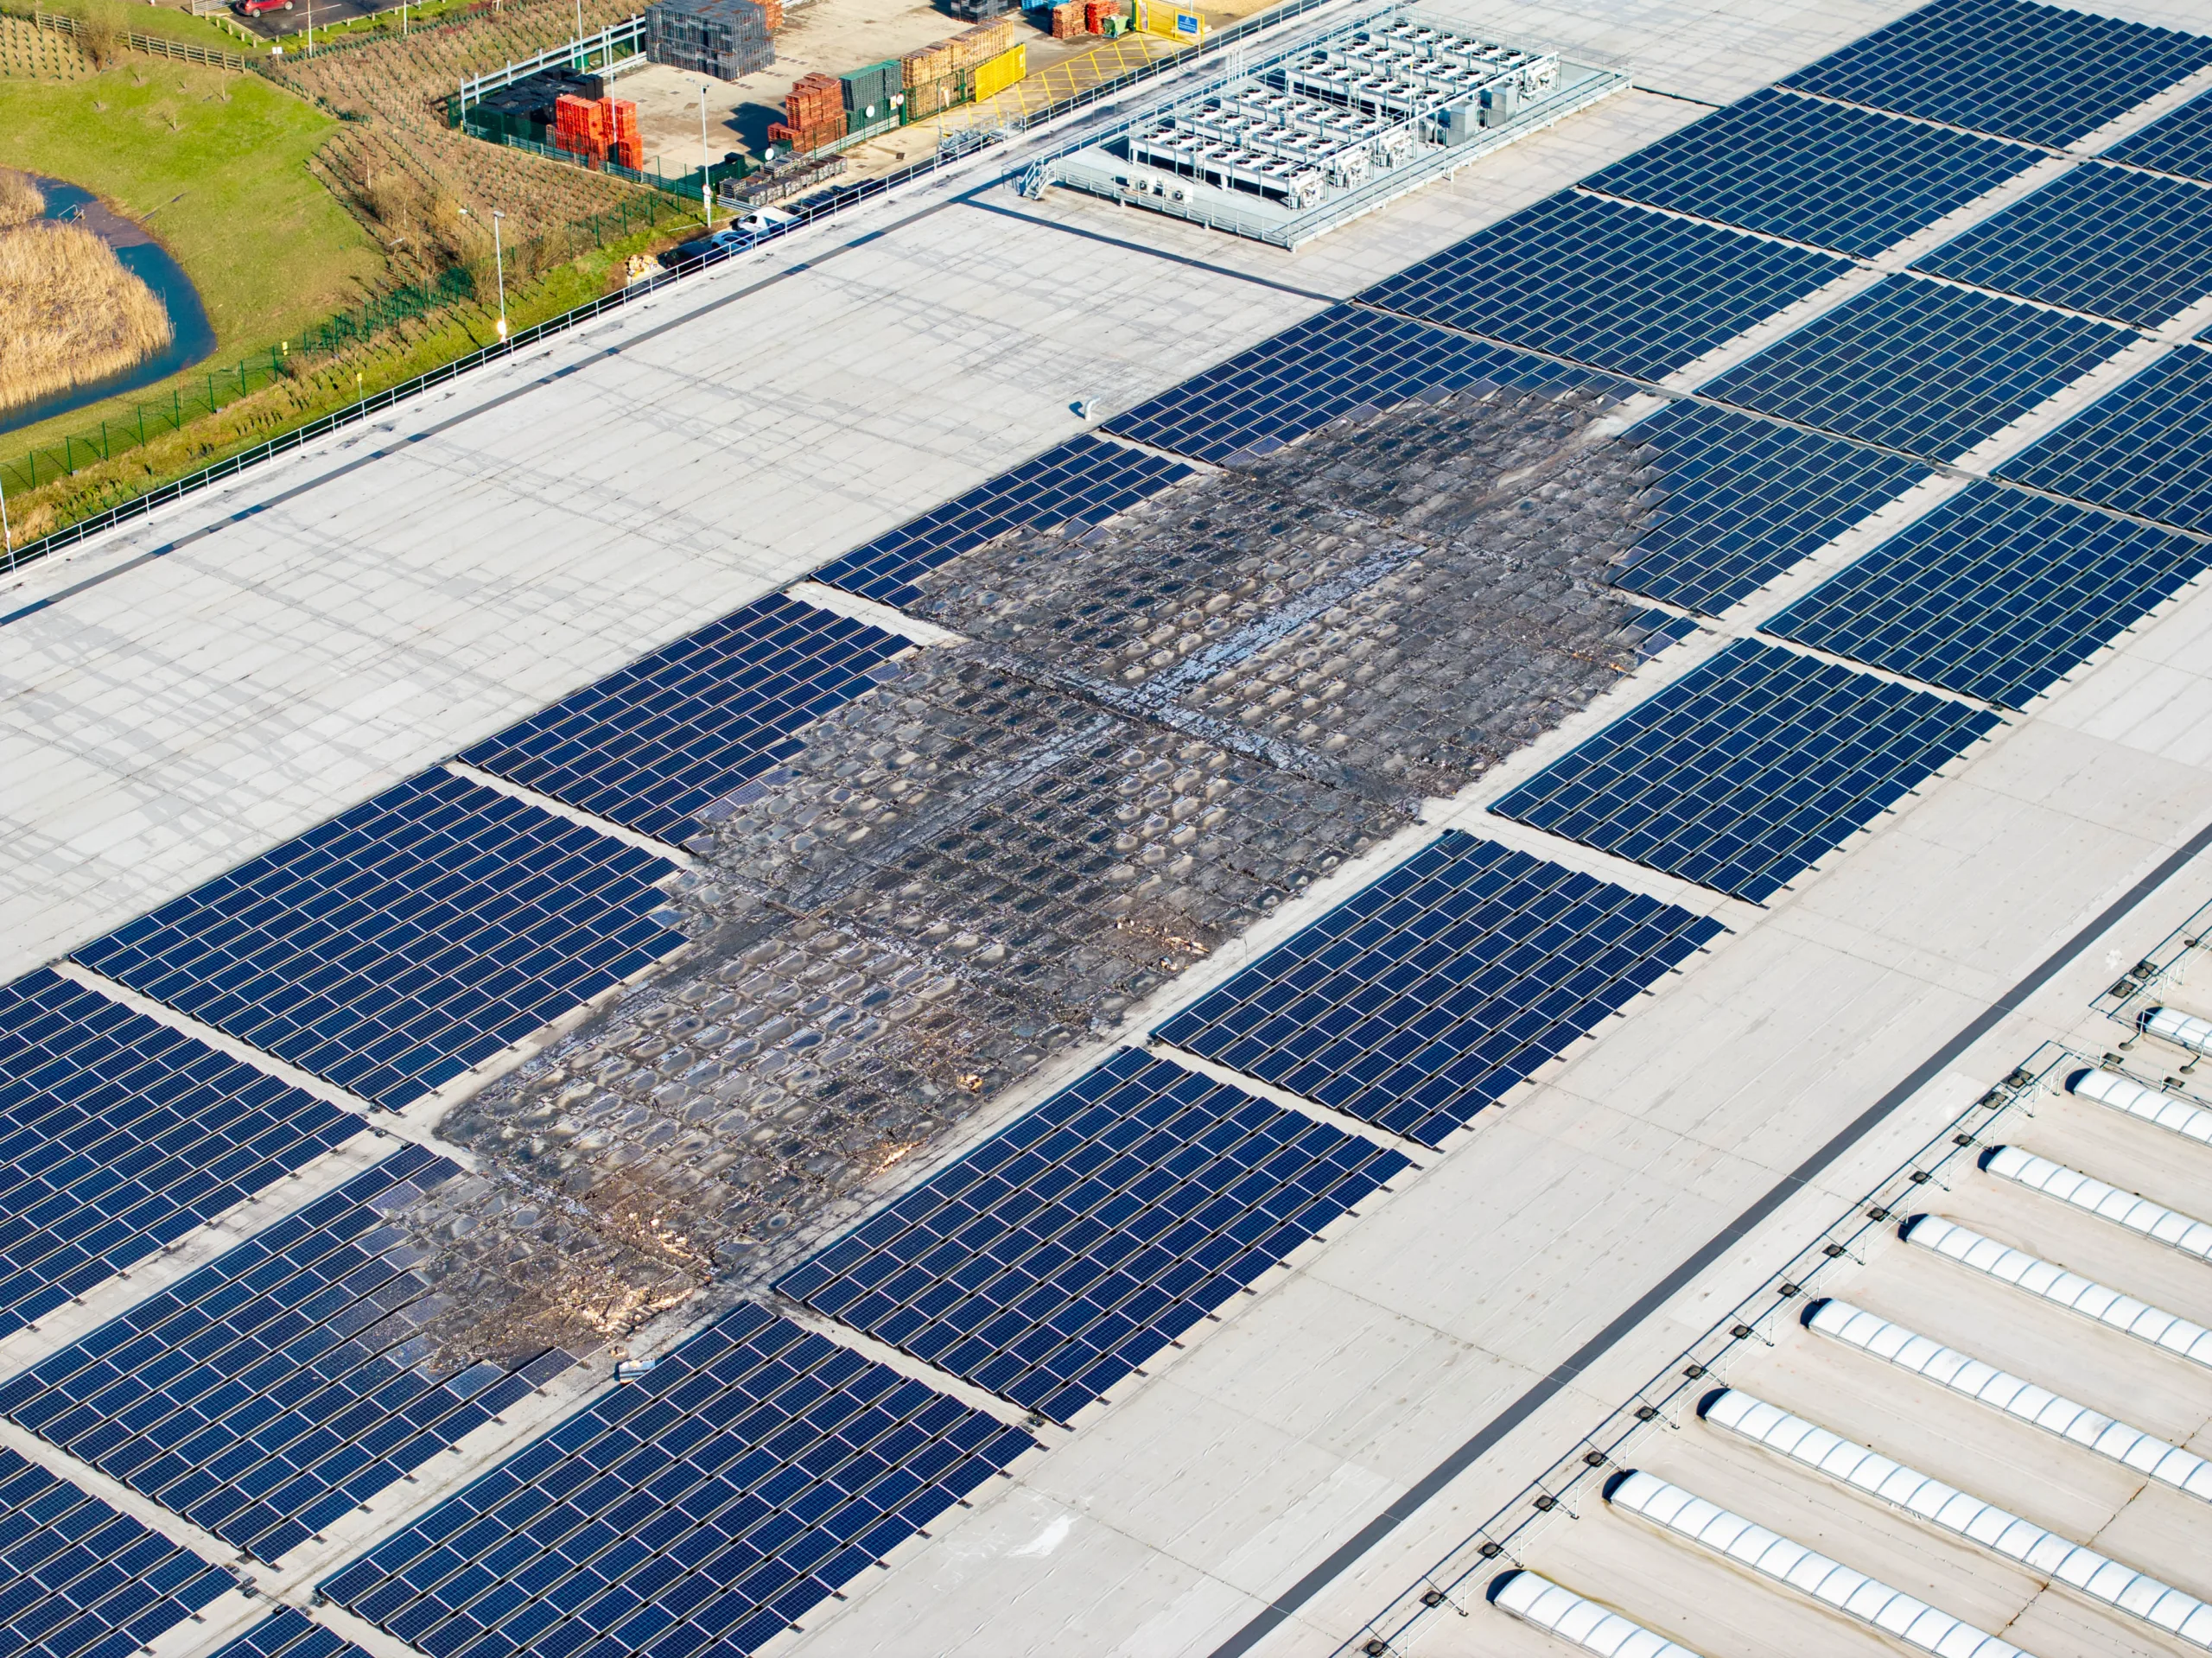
(499, 265)
(706, 166)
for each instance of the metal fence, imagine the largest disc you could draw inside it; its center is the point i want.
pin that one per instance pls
(152, 44)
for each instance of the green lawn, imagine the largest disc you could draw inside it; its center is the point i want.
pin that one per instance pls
(136, 17)
(215, 165)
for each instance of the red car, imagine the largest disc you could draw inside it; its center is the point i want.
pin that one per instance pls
(255, 8)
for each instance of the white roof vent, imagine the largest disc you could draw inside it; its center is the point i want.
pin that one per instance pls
(1792, 1565)
(1947, 1367)
(1578, 1622)
(2043, 1553)
(2154, 1220)
(2125, 1093)
(2055, 1284)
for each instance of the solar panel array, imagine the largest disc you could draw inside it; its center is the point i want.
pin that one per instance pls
(2048, 74)
(1337, 362)
(1060, 1255)
(289, 1633)
(1744, 772)
(693, 1512)
(1085, 480)
(1620, 287)
(280, 1387)
(2180, 141)
(1427, 996)
(1745, 498)
(1837, 177)
(119, 1134)
(1920, 366)
(83, 1581)
(395, 946)
(1995, 595)
(2144, 447)
(652, 746)
(2103, 239)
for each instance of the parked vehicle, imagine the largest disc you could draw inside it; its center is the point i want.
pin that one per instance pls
(706, 250)
(255, 8)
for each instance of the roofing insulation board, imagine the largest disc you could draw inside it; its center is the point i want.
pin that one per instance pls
(1074, 1244)
(1851, 180)
(654, 744)
(2144, 448)
(289, 1633)
(280, 1386)
(80, 1580)
(1429, 994)
(397, 945)
(2108, 240)
(1919, 366)
(1995, 594)
(699, 1508)
(1743, 499)
(2177, 142)
(1747, 770)
(1620, 287)
(1085, 480)
(1344, 360)
(2047, 74)
(119, 1135)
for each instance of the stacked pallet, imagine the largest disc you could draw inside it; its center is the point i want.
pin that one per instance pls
(972, 48)
(814, 113)
(725, 38)
(1097, 12)
(873, 94)
(1068, 21)
(600, 130)
(624, 147)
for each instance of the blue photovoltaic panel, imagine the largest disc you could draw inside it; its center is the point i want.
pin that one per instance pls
(1837, 177)
(119, 1134)
(1920, 366)
(1427, 996)
(2179, 142)
(650, 746)
(394, 947)
(281, 1386)
(2048, 74)
(80, 1580)
(1060, 1255)
(2144, 447)
(698, 1510)
(2103, 239)
(289, 1633)
(1995, 594)
(1617, 287)
(1344, 360)
(1744, 771)
(1745, 498)
(1085, 480)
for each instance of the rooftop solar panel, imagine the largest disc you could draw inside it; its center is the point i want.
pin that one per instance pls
(1744, 771)
(1745, 498)
(1344, 360)
(651, 747)
(2178, 142)
(1995, 594)
(282, 1385)
(289, 1633)
(2048, 74)
(1920, 366)
(699, 1509)
(2115, 242)
(1849, 179)
(119, 1135)
(1064, 1252)
(80, 1580)
(1619, 287)
(1085, 480)
(1429, 996)
(395, 946)
(2144, 447)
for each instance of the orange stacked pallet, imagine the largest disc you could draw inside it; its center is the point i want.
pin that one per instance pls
(814, 113)
(1096, 12)
(624, 147)
(1068, 21)
(771, 13)
(580, 126)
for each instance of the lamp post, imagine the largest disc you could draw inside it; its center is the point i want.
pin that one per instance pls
(499, 266)
(706, 166)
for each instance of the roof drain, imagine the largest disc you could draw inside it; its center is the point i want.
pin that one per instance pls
(2154, 1220)
(1792, 1565)
(2055, 1284)
(2125, 1093)
(1561, 1612)
(1948, 1367)
(2095, 1576)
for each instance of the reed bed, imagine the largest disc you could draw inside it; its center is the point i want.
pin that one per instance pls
(20, 200)
(69, 313)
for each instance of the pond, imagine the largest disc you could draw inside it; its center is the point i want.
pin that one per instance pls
(193, 338)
